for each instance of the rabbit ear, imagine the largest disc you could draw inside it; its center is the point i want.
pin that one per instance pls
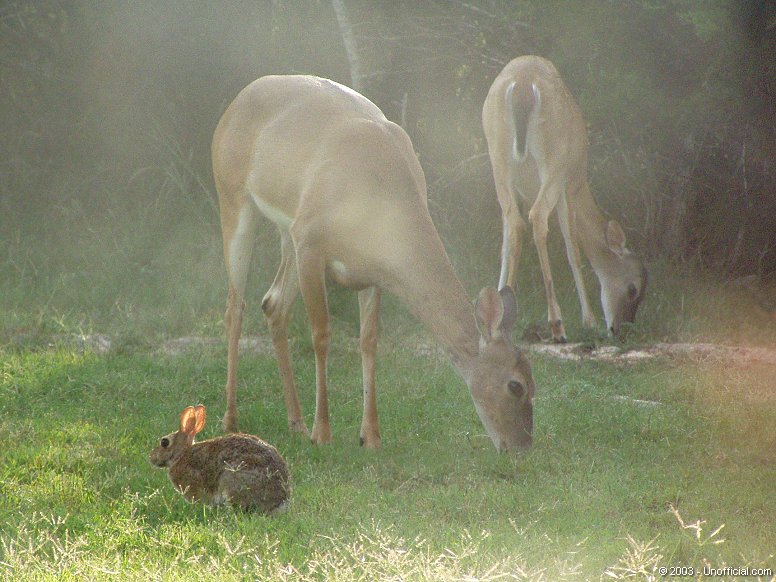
(189, 421)
(199, 412)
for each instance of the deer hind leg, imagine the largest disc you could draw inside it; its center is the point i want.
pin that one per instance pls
(277, 305)
(369, 308)
(512, 243)
(239, 232)
(513, 227)
(567, 221)
(548, 197)
(312, 283)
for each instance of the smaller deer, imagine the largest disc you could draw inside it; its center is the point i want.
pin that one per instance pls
(537, 142)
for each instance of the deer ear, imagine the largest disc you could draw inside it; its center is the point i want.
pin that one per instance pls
(188, 421)
(615, 238)
(489, 312)
(510, 310)
(199, 413)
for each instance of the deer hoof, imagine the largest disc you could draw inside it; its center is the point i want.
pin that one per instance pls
(369, 443)
(558, 333)
(321, 437)
(298, 426)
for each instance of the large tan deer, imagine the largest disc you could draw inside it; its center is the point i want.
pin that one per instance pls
(346, 191)
(537, 142)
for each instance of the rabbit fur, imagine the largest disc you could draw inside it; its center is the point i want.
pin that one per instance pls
(239, 469)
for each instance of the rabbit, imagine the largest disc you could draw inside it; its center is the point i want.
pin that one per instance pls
(239, 469)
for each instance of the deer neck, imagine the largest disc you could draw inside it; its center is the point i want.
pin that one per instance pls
(591, 231)
(427, 284)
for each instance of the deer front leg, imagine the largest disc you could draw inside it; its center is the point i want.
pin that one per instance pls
(539, 215)
(567, 221)
(277, 305)
(312, 284)
(369, 307)
(513, 225)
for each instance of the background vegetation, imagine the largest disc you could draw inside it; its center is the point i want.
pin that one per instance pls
(107, 209)
(109, 224)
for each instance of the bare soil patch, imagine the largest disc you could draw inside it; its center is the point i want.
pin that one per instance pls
(697, 352)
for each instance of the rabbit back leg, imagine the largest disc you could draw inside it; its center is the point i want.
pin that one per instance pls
(263, 486)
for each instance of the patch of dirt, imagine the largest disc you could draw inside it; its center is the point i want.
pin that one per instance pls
(248, 345)
(700, 352)
(96, 343)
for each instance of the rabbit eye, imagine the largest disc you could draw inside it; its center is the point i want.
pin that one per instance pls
(165, 442)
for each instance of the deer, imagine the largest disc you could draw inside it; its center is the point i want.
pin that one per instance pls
(348, 196)
(537, 143)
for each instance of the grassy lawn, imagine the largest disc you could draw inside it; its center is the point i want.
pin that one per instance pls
(600, 496)
(595, 499)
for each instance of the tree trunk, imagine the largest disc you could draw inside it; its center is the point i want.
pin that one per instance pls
(350, 44)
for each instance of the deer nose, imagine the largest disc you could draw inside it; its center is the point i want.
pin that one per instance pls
(521, 445)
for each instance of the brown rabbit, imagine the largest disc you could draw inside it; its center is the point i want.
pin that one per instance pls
(239, 469)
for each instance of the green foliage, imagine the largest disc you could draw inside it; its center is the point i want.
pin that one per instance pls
(101, 99)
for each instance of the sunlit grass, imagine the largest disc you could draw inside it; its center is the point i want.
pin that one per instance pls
(597, 494)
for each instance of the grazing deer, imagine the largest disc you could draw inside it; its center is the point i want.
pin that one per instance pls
(346, 191)
(537, 142)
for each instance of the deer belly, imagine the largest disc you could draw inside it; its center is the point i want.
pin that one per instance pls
(280, 218)
(347, 275)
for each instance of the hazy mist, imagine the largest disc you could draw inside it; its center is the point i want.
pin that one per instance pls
(107, 110)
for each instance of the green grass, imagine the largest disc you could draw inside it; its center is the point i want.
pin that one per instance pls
(594, 499)
(79, 499)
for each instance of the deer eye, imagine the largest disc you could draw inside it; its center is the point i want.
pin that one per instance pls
(165, 442)
(516, 388)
